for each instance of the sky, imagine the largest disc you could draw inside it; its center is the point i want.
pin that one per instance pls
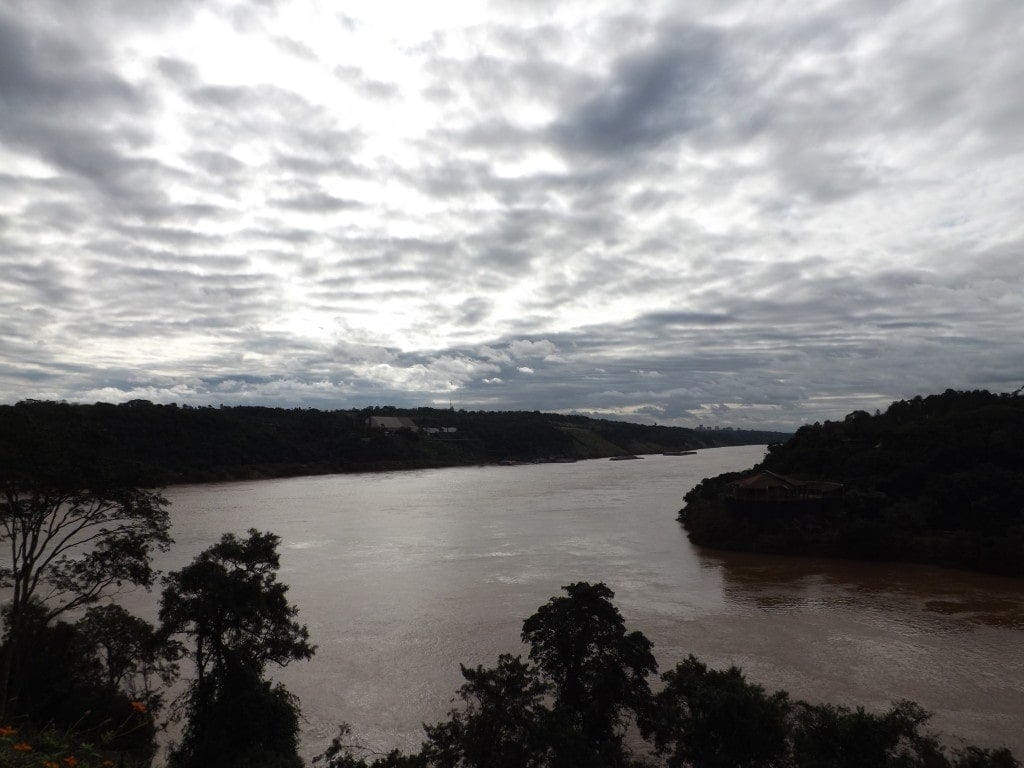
(756, 214)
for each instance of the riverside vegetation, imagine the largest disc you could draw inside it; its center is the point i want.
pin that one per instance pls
(91, 692)
(936, 479)
(165, 444)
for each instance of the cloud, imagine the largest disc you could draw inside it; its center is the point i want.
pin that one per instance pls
(315, 202)
(651, 95)
(684, 213)
(525, 348)
(365, 85)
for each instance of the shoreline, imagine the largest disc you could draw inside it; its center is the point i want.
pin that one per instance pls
(384, 467)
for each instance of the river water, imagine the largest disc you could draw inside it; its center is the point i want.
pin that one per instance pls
(402, 576)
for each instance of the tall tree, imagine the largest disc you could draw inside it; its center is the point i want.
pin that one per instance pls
(234, 612)
(68, 545)
(597, 670)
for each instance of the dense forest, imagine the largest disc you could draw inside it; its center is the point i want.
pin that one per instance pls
(163, 444)
(935, 479)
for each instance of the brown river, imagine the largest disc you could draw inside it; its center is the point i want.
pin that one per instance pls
(401, 576)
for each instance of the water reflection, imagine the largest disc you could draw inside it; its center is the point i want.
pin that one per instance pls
(773, 582)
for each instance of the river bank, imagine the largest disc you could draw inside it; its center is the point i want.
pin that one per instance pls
(151, 444)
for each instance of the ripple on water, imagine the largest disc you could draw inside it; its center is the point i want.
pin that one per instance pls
(403, 577)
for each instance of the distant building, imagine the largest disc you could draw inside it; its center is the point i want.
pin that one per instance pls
(766, 493)
(391, 423)
(440, 430)
(768, 486)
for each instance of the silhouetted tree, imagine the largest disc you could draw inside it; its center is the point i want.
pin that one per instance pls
(501, 725)
(133, 656)
(597, 672)
(826, 736)
(229, 604)
(69, 545)
(716, 719)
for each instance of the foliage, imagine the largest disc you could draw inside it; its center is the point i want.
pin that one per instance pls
(597, 671)
(67, 688)
(937, 479)
(74, 537)
(132, 655)
(975, 757)
(229, 604)
(160, 444)
(715, 719)
(589, 680)
(77, 543)
(242, 722)
(25, 747)
(826, 736)
(71, 539)
(341, 754)
(502, 722)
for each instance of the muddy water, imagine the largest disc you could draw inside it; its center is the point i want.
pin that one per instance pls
(402, 576)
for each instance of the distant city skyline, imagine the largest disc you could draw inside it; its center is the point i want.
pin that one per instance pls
(713, 213)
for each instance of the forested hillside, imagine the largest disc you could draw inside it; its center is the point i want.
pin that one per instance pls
(935, 479)
(161, 444)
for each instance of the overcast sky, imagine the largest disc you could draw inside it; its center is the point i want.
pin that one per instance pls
(737, 213)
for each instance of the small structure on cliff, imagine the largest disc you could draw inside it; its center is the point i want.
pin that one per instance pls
(767, 491)
(391, 423)
(768, 486)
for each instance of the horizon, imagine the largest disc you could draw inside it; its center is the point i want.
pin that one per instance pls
(685, 214)
(325, 409)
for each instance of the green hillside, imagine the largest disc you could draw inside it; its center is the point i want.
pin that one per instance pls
(162, 444)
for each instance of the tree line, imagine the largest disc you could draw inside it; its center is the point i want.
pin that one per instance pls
(163, 444)
(84, 683)
(935, 479)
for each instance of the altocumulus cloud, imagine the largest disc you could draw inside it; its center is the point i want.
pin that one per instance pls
(683, 212)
